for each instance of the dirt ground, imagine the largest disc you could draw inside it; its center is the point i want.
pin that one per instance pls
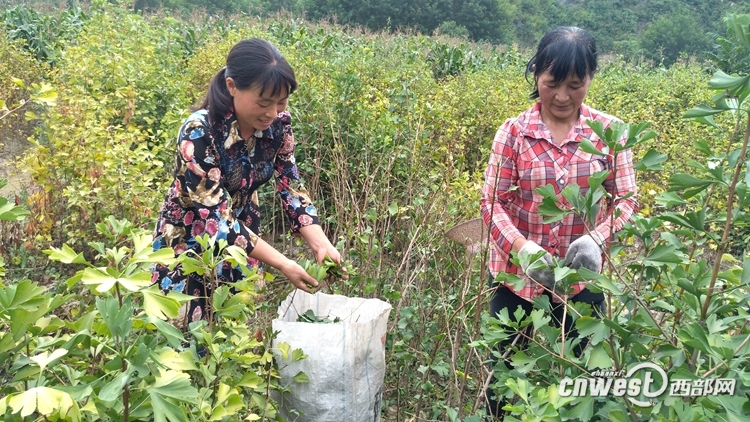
(13, 144)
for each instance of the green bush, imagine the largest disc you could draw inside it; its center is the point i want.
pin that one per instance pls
(102, 150)
(18, 72)
(393, 157)
(114, 356)
(44, 36)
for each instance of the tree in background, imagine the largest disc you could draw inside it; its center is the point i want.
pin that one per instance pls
(653, 29)
(729, 56)
(666, 37)
(532, 18)
(485, 20)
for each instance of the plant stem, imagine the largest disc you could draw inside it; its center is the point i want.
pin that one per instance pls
(562, 328)
(724, 362)
(125, 396)
(728, 224)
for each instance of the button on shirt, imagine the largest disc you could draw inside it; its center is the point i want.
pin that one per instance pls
(523, 158)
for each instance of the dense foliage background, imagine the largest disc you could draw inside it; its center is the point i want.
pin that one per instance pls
(393, 131)
(654, 30)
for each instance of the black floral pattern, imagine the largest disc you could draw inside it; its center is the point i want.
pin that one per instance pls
(217, 175)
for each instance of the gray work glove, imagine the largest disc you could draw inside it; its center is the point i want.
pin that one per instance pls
(586, 252)
(542, 275)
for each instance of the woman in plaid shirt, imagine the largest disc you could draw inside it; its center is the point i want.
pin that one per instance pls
(541, 147)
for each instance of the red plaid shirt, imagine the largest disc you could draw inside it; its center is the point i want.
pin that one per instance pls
(523, 158)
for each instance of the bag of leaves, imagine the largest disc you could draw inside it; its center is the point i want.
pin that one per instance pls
(341, 377)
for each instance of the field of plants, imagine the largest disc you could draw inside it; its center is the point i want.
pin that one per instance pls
(393, 133)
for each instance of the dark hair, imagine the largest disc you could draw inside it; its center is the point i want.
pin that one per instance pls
(251, 62)
(563, 51)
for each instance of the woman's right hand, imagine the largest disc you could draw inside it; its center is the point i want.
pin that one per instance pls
(298, 276)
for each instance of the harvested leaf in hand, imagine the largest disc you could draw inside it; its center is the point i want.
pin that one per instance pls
(337, 270)
(316, 271)
(326, 269)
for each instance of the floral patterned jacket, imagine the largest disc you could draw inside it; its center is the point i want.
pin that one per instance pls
(217, 175)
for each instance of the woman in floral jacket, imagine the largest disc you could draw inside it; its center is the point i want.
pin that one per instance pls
(235, 142)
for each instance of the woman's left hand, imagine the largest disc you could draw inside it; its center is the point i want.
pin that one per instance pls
(320, 244)
(329, 250)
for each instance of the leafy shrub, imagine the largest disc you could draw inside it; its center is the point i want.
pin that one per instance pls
(18, 72)
(101, 151)
(115, 357)
(393, 157)
(43, 35)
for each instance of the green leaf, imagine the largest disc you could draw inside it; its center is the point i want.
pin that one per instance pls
(669, 199)
(103, 281)
(26, 295)
(520, 387)
(709, 120)
(393, 209)
(738, 26)
(44, 359)
(661, 304)
(701, 111)
(735, 406)
(549, 209)
(301, 377)
(524, 363)
(594, 327)
(66, 255)
(694, 336)
(136, 281)
(163, 256)
(158, 305)
(182, 361)
(250, 380)
(283, 348)
(10, 212)
(587, 146)
(238, 255)
(192, 265)
(46, 94)
(600, 281)
(47, 402)
(665, 255)
(229, 403)
(695, 220)
(298, 355)
(599, 358)
(582, 411)
(118, 320)
(733, 84)
(164, 410)
(174, 337)
(745, 279)
(539, 318)
(113, 390)
(174, 384)
(687, 182)
(651, 161)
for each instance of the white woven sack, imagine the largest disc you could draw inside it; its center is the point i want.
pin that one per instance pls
(346, 360)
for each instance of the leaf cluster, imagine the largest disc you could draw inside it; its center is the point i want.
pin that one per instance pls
(309, 316)
(115, 356)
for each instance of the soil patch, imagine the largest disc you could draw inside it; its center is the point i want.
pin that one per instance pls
(13, 144)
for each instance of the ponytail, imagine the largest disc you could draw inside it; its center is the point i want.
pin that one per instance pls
(218, 101)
